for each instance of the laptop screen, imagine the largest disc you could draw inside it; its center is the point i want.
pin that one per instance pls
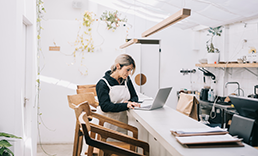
(161, 97)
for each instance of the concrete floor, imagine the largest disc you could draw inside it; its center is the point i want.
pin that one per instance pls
(55, 150)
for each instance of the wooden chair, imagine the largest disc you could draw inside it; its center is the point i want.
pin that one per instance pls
(87, 96)
(82, 111)
(78, 136)
(86, 88)
(81, 89)
(77, 99)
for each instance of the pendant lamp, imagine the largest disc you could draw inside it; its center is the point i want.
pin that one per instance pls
(128, 43)
(183, 13)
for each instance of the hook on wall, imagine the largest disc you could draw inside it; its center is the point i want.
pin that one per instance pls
(187, 71)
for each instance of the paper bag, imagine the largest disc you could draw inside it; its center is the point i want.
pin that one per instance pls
(187, 104)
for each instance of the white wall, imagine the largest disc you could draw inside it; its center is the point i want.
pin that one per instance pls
(61, 27)
(13, 15)
(56, 114)
(177, 53)
(233, 47)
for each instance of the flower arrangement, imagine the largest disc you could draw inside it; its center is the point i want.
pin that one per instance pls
(112, 20)
(209, 44)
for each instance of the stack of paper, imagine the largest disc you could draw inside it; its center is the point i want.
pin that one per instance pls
(206, 137)
(199, 131)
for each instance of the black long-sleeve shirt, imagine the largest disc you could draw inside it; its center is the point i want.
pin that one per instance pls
(103, 94)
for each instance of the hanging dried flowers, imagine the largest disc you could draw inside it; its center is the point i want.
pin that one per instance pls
(84, 40)
(112, 20)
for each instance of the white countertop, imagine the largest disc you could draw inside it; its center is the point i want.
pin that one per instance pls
(159, 122)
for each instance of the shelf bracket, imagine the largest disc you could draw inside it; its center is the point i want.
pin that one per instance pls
(251, 72)
(225, 69)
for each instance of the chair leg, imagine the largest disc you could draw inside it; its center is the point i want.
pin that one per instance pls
(101, 153)
(132, 148)
(101, 123)
(90, 148)
(90, 151)
(106, 154)
(80, 142)
(77, 145)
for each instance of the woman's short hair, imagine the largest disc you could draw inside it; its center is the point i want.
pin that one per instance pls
(123, 60)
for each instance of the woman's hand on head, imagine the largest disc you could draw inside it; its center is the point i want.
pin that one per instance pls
(133, 104)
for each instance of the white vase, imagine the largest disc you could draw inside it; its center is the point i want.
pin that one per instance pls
(213, 58)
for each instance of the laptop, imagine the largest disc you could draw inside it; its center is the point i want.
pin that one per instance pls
(158, 102)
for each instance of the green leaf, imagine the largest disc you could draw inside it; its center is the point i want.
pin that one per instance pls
(8, 152)
(4, 143)
(212, 46)
(2, 149)
(9, 135)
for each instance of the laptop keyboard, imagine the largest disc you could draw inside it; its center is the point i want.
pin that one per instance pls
(146, 106)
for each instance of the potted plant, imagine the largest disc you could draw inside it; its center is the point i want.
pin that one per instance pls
(4, 144)
(213, 52)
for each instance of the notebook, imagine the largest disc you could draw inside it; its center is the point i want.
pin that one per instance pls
(209, 141)
(158, 102)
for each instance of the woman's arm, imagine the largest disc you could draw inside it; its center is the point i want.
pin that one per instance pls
(104, 100)
(134, 96)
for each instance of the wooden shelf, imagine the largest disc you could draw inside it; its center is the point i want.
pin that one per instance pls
(230, 65)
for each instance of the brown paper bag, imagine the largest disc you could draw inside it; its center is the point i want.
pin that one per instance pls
(187, 104)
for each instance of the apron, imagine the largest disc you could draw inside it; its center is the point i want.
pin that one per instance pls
(117, 94)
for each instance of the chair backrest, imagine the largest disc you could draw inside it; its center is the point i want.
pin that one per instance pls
(82, 89)
(86, 86)
(86, 90)
(242, 127)
(82, 117)
(77, 99)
